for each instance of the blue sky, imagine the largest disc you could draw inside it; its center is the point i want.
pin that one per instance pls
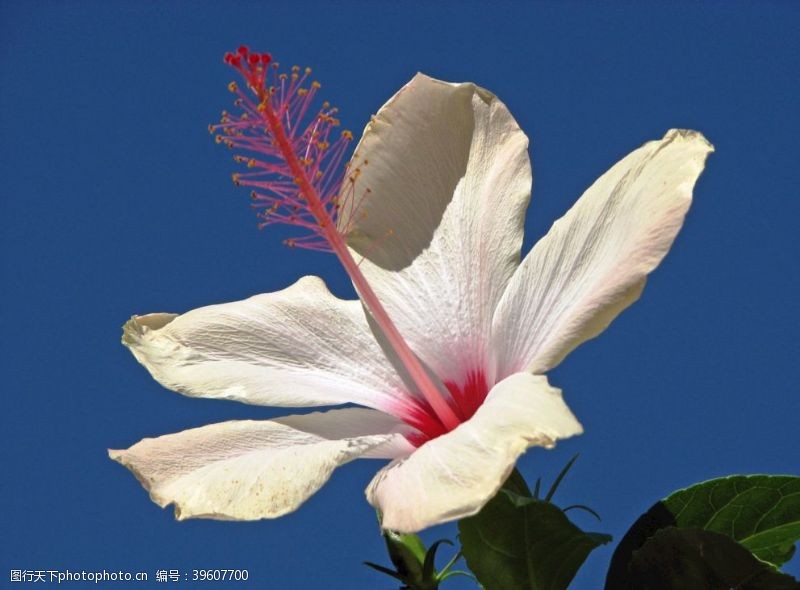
(116, 202)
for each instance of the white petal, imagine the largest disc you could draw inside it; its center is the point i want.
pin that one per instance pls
(454, 475)
(594, 261)
(297, 347)
(247, 470)
(449, 179)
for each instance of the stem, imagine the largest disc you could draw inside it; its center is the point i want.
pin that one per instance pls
(416, 371)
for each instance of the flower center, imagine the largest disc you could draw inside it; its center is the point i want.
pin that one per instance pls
(465, 399)
(470, 394)
(297, 178)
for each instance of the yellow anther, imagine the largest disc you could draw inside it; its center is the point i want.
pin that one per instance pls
(232, 87)
(347, 134)
(218, 139)
(302, 91)
(282, 77)
(251, 163)
(295, 68)
(235, 177)
(316, 85)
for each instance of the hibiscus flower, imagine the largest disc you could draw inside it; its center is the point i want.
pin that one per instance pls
(433, 209)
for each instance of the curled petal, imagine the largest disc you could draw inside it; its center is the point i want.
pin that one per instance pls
(454, 475)
(594, 261)
(248, 470)
(441, 180)
(297, 347)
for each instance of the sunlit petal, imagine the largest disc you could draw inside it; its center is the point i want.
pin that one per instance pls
(439, 198)
(594, 261)
(297, 347)
(248, 470)
(454, 475)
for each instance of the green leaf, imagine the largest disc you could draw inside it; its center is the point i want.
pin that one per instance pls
(678, 559)
(516, 483)
(521, 543)
(759, 512)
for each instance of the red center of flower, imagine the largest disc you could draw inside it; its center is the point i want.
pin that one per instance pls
(470, 394)
(465, 399)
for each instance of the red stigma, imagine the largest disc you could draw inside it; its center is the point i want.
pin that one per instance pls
(277, 115)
